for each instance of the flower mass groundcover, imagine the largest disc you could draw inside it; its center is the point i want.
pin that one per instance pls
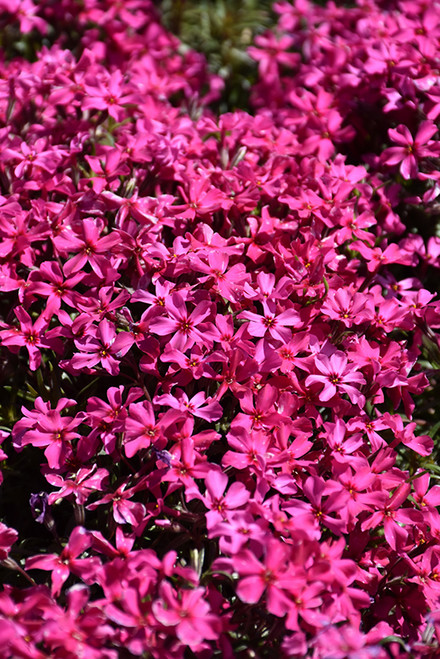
(219, 334)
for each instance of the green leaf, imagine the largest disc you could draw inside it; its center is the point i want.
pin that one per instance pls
(394, 639)
(434, 429)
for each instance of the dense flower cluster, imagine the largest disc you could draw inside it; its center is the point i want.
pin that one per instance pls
(222, 336)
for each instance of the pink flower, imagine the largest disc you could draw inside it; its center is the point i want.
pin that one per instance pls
(56, 432)
(50, 282)
(217, 501)
(272, 323)
(125, 511)
(7, 538)
(341, 446)
(229, 280)
(91, 247)
(188, 613)
(142, 429)
(198, 405)
(425, 497)
(32, 335)
(108, 94)
(271, 576)
(65, 563)
(393, 518)
(201, 197)
(349, 307)
(237, 530)
(411, 150)
(102, 346)
(181, 324)
(81, 485)
(337, 376)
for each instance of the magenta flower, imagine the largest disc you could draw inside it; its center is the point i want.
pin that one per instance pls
(139, 208)
(337, 376)
(80, 629)
(127, 605)
(143, 429)
(56, 432)
(411, 150)
(260, 413)
(25, 12)
(271, 576)
(426, 498)
(108, 167)
(181, 324)
(348, 306)
(251, 450)
(237, 530)
(63, 564)
(90, 247)
(320, 510)
(376, 257)
(50, 282)
(217, 501)
(272, 51)
(370, 428)
(236, 372)
(427, 574)
(106, 420)
(201, 197)
(392, 516)
(188, 613)
(103, 306)
(80, 485)
(306, 599)
(357, 483)
(223, 294)
(103, 346)
(35, 156)
(229, 280)
(32, 335)
(272, 323)
(186, 465)
(31, 417)
(108, 93)
(185, 367)
(7, 538)
(198, 405)
(341, 445)
(125, 511)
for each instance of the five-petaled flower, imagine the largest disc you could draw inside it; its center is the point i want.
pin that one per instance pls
(337, 376)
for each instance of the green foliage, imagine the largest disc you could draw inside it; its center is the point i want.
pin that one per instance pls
(222, 30)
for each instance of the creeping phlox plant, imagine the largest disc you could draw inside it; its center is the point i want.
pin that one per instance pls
(219, 336)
